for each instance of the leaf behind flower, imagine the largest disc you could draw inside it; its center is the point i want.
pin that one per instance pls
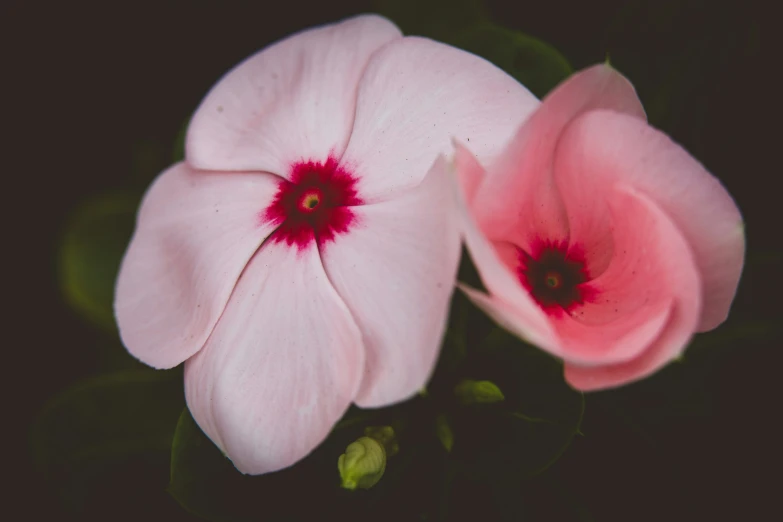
(92, 247)
(532, 62)
(466, 24)
(92, 437)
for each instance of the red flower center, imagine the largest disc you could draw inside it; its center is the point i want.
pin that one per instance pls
(554, 275)
(314, 206)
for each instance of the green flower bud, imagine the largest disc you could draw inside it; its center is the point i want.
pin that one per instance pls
(478, 392)
(385, 436)
(363, 463)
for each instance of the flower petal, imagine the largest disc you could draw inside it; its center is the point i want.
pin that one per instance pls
(282, 365)
(509, 303)
(657, 355)
(469, 171)
(630, 304)
(518, 200)
(603, 148)
(396, 272)
(414, 96)
(294, 100)
(513, 319)
(194, 235)
(660, 269)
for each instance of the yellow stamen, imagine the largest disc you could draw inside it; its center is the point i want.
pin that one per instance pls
(310, 201)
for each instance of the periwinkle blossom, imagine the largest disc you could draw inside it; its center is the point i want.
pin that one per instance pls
(597, 237)
(301, 258)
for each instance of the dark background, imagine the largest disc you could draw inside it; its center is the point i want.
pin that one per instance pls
(84, 83)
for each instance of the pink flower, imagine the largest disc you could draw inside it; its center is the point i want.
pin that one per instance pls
(597, 237)
(299, 260)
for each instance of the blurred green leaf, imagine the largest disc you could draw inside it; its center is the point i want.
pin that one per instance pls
(98, 232)
(528, 431)
(119, 412)
(455, 347)
(466, 24)
(202, 480)
(535, 64)
(92, 247)
(437, 19)
(85, 437)
(444, 433)
(147, 161)
(112, 356)
(178, 152)
(730, 335)
(150, 158)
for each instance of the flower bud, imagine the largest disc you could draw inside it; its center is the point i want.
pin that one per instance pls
(474, 392)
(385, 436)
(363, 463)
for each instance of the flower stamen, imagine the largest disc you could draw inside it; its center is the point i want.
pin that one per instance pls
(554, 275)
(554, 280)
(310, 201)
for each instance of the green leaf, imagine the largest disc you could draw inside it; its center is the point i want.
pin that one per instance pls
(455, 348)
(92, 247)
(732, 334)
(535, 64)
(178, 152)
(444, 433)
(466, 24)
(85, 437)
(528, 431)
(437, 19)
(147, 161)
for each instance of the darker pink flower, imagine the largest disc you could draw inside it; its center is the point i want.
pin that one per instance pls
(597, 237)
(301, 259)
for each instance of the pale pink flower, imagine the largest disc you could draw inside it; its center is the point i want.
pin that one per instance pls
(299, 260)
(598, 238)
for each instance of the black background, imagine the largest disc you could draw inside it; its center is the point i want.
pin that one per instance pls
(84, 82)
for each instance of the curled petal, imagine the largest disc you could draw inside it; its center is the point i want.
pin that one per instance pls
(652, 270)
(282, 366)
(604, 148)
(518, 199)
(195, 233)
(292, 101)
(660, 273)
(662, 351)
